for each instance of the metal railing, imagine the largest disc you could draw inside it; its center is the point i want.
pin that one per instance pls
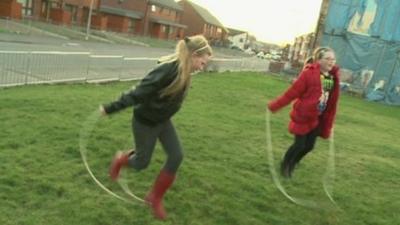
(33, 67)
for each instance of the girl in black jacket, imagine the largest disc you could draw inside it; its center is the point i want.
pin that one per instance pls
(155, 100)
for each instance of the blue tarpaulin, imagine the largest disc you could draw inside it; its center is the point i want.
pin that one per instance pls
(365, 35)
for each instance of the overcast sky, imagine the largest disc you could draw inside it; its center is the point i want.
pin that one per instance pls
(274, 21)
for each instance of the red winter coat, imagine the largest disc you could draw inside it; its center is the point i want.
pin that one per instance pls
(306, 91)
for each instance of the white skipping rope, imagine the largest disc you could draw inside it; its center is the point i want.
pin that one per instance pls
(328, 177)
(83, 138)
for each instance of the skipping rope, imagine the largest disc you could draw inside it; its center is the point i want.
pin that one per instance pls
(83, 139)
(327, 179)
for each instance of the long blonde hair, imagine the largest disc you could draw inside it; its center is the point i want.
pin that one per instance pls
(184, 50)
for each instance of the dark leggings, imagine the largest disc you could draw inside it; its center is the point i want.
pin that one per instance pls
(302, 145)
(145, 140)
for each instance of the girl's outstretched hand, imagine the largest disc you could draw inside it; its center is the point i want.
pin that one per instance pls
(269, 107)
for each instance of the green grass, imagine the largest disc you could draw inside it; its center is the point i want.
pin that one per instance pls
(224, 178)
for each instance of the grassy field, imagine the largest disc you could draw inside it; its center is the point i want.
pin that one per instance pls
(224, 179)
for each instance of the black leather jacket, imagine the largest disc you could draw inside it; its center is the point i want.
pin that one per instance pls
(149, 107)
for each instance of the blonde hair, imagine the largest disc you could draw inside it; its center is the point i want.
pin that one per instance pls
(309, 60)
(318, 54)
(184, 50)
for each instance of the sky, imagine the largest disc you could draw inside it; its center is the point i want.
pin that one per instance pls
(272, 21)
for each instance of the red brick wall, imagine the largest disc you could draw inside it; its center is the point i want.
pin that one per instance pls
(117, 23)
(181, 33)
(10, 8)
(191, 19)
(139, 27)
(210, 32)
(166, 14)
(81, 4)
(155, 31)
(37, 7)
(99, 22)
(81, 17)
(16, 11)
(60, 16)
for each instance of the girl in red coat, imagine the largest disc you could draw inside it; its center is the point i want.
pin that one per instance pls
(315, 94)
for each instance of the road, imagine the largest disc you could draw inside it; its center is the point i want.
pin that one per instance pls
(48, 59)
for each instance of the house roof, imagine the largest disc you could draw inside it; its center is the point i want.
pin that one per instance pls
(167, 22)
(121, 12)
(233, 32)
(167, 4)
(206, 15)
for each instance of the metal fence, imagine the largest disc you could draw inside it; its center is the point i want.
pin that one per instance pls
(33, 67)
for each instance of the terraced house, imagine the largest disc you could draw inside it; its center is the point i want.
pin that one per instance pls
(200, 21)
(155, 18)
(163, 19)
(57, 11)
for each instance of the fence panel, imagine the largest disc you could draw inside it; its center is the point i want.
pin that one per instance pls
(47, 67)
(23, 67)
(14, 67)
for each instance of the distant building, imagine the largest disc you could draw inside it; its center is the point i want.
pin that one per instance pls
(238, 38)
(286, 52)
(200, 21)
(302, 48)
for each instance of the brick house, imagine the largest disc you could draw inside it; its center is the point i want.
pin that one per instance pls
(10, 9)
(57, 11)
(200, 21)
(155, 18)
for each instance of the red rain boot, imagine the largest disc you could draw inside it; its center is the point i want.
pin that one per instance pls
(155, 197)
(120, 160)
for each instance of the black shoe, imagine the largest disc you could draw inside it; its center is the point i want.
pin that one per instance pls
(286, 170)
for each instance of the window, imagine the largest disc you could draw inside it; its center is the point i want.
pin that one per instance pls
(27, 7)
(153, 8)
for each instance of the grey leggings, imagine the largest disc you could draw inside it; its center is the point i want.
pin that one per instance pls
(145, 140)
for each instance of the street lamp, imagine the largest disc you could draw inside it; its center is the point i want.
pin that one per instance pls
(89, 20)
